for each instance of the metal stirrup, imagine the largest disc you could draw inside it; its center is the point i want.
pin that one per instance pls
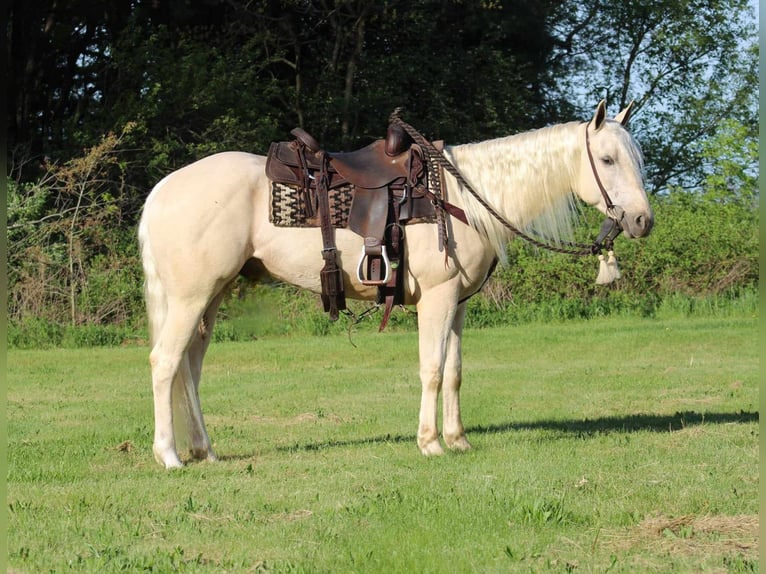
(360, 268)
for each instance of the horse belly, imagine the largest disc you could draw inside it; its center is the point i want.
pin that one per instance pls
(294, 255)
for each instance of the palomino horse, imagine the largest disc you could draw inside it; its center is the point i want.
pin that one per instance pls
(204, 223)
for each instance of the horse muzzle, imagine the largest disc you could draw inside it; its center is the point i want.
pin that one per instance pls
(633, 224)
(620, 221)
(636, 225)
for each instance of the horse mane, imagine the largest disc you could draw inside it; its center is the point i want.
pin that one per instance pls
(529, 178)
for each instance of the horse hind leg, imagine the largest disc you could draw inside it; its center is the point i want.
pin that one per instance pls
(170, 367)
(187, 388)
(188, 423)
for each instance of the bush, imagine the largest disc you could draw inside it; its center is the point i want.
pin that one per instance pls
(699, 248)
(35, 333)
(96, 336)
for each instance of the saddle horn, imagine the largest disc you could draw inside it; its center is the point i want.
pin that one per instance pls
(306, 139)
(397, 140)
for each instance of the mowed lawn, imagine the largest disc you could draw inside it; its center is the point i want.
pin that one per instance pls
(619, 445)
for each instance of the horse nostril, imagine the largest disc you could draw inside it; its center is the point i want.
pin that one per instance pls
(643, 223)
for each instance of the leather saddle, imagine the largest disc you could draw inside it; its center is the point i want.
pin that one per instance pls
(384, 165)
(388, 182)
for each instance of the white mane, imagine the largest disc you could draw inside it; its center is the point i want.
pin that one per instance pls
(529, 178)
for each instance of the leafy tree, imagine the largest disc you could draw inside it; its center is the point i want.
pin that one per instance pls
(689, 64)
(57, 56)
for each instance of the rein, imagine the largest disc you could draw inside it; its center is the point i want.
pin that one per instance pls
(610, 229)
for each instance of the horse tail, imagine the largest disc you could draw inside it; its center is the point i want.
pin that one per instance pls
(155, 296)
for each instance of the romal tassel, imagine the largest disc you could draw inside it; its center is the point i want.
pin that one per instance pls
(611, 263)
(604, 274)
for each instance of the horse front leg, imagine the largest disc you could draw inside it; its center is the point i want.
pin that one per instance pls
(436, 312)
(454, 433)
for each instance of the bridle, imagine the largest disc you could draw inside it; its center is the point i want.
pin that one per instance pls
(612, 225)
(610, 228)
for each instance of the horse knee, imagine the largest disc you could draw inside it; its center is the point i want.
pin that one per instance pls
(431, 378)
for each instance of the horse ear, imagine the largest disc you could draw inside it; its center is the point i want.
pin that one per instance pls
(600, 116)
(624, 115)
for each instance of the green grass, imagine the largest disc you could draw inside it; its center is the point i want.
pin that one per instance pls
(620, 445)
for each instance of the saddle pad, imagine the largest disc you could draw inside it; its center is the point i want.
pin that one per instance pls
(289, 206)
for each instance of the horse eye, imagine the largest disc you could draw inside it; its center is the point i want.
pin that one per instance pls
(607, 160)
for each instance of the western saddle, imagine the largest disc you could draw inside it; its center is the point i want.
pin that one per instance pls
(391, 182)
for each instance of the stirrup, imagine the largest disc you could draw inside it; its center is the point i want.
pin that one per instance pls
(360, 268)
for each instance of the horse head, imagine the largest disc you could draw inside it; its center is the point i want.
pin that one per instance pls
(610, 175)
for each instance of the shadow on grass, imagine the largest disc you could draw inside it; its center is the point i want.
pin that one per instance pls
(622, 424)
(580, 428)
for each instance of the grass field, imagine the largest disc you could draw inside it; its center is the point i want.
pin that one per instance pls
(615, 445)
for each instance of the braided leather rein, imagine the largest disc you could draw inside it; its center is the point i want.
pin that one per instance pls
(609, 229)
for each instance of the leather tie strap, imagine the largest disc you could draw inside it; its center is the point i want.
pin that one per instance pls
(333, 296)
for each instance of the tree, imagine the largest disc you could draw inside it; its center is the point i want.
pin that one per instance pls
(688, 64)
(199, 78)
(57, 68)
(193, 78)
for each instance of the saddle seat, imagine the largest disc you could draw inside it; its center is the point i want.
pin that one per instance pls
(373, 166)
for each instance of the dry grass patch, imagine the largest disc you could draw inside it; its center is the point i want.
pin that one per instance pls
(691, 535)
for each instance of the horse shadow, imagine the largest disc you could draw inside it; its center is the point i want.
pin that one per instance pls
(581, 428)
(625, 424)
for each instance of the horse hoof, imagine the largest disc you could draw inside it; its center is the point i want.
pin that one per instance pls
(169, 459)
(170, 464)
(432, 448)
(459, 444)
(204, 454)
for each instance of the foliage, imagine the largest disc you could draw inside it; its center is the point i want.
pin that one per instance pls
(690, 65)
(698, 247)
(705, 244)
(702, 256)
(237, 75)
(198, 78)
(72, 259)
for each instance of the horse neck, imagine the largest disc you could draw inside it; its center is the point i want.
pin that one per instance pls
(529, 178)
